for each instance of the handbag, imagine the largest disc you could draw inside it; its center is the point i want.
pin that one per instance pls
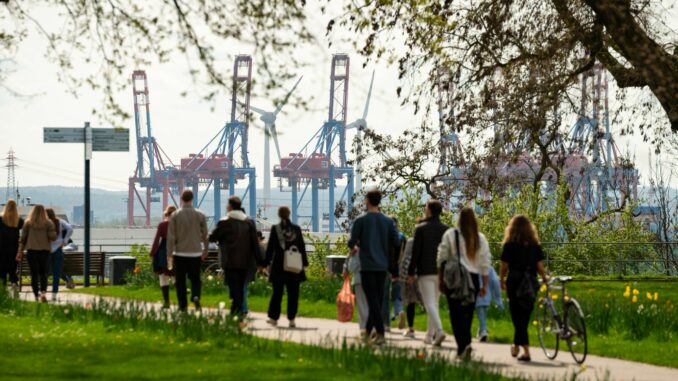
(292, 260)
(458, 279)
(345, 302)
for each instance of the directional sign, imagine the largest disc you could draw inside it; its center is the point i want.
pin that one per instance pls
(110, 139)
(64, 135)
(103, 139)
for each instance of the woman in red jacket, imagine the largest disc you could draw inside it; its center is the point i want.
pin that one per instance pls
(159, 255)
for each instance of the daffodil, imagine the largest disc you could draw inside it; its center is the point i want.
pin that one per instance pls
(543, 287)
(535, 323)
(627, 293)
(649, 296)
(635, 299)
(554, 296)
(566, 298)
(635, 292)
(656, 296)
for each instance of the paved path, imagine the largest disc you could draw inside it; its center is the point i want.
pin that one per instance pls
(331, 332)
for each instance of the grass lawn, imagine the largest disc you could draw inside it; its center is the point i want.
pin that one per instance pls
(614, 344)
(38, 346)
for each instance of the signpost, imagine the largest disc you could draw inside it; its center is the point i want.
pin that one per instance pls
(98, 139)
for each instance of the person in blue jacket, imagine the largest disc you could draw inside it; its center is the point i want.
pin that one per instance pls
(483, 302)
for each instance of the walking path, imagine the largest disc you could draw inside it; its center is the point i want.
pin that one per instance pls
(313, 331)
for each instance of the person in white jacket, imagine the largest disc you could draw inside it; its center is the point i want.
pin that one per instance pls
(56, 257)
(474, 255)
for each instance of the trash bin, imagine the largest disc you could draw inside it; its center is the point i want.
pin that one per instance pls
(335, 264)
(118, 266)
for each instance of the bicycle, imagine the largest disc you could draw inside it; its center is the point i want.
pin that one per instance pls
(552, 327)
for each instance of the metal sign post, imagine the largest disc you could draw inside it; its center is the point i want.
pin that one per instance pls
(99, 139)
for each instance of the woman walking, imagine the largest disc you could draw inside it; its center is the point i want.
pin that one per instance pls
(159, 255)
(64, 231)
(284, 236)
(470, 248)
(410, 291)
(36, 239)
(521, 257)
(10, 229)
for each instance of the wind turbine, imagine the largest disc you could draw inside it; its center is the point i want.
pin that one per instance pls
(268, 118)
(360, 125)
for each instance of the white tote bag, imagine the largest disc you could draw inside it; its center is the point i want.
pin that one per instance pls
(292, 261)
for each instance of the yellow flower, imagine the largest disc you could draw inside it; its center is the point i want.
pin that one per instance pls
(627, 293)
(543, 287)
(554, 296)
(635, 292)
(607, 305)
(535, 323)
(567, 298)
(649, 296)
(635, 299)
(656, 296)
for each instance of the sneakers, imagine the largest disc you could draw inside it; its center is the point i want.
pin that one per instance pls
(196, 302)
(401, 320)
(439, 338)
(293, 324)
(378, 341)
(409, 334)
(428, 340)
(70, 285)
(271, 322)
(43, 298)
(483, 338)
(54, 297)
(466, 354)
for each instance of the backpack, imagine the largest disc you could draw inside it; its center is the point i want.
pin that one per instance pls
(526, 292)
(458, 279)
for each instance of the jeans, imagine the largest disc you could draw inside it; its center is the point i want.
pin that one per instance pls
(482, 320)
(430, 294)
(461, 316)
(386, 302)
(236, 279)
(361, 303)
(397, 297)
(38, 261)
(373, 285)
(245, 309)
(187, 266)
(56, 261)
(292, 299)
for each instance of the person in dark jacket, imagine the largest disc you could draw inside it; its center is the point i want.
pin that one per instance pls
(427, 237)
(239, 247)
(159, 256)
(373, 237)
(282, 237)
(10, 230)
(521, 256)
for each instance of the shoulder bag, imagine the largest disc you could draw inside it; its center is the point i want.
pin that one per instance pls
(458, 279)
(526, 292)
(292, 261)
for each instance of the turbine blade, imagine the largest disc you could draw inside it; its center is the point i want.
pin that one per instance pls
(287, 97)
(274, 133)
(369, 95)
(257, 110)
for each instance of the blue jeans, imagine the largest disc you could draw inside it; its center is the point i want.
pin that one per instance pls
(482, 320)
(397, 297)
(56, 260)
(245, 310)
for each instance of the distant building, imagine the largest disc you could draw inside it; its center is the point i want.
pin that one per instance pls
(79, 215)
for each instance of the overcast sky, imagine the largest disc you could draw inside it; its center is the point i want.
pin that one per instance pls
(182, 125)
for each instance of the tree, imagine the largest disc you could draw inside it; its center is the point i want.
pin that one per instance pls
(98, 43)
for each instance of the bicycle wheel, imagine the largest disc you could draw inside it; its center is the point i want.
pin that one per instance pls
(547, 329)
(576, 339)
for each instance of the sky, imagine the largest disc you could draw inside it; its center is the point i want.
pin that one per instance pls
(183, 125)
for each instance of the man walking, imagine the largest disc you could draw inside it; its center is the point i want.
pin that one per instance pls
(427, 237)
(187, 247)
(240, 251)
(372, 237)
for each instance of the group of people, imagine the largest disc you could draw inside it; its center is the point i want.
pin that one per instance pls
(42, 237)
(182, 242)
(380, 256)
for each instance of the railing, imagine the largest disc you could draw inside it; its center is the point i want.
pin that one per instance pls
(592, 258)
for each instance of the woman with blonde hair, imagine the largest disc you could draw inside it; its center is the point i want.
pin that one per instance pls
(467, 246)
(521, 257)
(10, 230)
(159, 255)
(36, 238)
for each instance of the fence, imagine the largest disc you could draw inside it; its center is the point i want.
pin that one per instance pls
(592, 258)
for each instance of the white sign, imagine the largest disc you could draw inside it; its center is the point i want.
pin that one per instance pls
(64, 135)
(100, 139)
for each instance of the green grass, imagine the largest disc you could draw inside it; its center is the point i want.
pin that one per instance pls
(106, 342)
(612, 344)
